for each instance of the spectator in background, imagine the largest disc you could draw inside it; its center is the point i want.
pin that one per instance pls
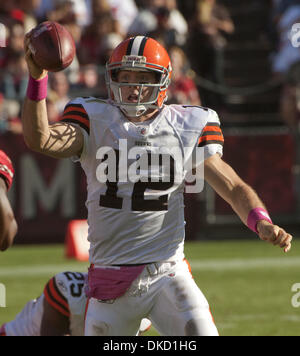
(72, 72)
(290, 112)
(14, 80)
(5, 8)
(177, 22)
(63, 12)
(43, 9)
(9, 120)
(161, 15)
(280, 6)
(3, 117)
(163, 33)
(59, 89)
(14, 23)
(88, 82)
(207, 30)
(145, 21)
(3, 51)
(94, 35)
(69, 11)
(124, 12)
(286, 54)
(98, 7)
(207, 42)
(16, 38)
(13, 84)
(110, 42)
(182, 88)
(89, 78)
(80, 10)
(286, 64)
(8, 12)
(290, 99)
(159, 36)
(28, 8)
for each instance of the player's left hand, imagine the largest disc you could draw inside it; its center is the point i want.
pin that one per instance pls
(274, 234)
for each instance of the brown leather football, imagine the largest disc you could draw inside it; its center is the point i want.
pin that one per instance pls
(52, 46)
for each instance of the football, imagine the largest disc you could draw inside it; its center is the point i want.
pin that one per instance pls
(52, 46)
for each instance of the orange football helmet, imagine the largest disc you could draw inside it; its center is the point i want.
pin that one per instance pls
(139, 53)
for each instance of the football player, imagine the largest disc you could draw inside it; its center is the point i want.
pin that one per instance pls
(136, 223)
(59, 311)
(8, 224)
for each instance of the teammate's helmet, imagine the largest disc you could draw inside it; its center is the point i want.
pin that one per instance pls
(139, 53)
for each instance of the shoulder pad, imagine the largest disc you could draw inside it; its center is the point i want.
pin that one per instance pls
(194, 117)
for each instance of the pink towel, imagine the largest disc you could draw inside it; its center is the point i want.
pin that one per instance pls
(111, 283)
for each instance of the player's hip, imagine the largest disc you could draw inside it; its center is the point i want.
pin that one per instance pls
(110, 282)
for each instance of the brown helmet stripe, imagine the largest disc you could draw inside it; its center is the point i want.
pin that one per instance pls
(129, 48)
(136, 46)
(142, 46)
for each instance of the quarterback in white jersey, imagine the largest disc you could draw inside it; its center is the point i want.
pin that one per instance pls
(137, 153)
(138, 207)
(60, 310)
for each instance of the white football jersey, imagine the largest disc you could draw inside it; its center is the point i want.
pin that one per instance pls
(135, 212)
(64, 292)
(28, 321)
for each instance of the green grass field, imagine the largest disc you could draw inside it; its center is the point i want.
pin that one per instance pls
(247, 283)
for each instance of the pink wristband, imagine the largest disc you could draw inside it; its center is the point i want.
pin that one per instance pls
(37, 89)
(255, 215)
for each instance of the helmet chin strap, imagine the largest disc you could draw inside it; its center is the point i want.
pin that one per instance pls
(133, 111)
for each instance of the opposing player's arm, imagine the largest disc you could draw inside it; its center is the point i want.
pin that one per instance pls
(242, 198)
(54, 323)
(8, 224)
(60, 140)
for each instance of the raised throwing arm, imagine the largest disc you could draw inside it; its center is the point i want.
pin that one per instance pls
(59, 140)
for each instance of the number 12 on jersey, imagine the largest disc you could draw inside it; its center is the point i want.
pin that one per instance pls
(138, 202)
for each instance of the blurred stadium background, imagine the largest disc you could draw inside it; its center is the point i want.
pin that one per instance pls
(239, 57)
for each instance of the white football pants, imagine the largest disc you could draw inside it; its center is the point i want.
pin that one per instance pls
(165, 293)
